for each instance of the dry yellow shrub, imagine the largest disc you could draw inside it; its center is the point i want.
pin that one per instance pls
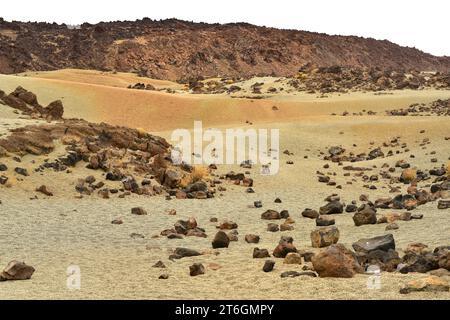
(408, 175)
(185, 181)
(198, 173)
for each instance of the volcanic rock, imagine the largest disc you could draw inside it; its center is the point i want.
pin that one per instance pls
(332, 207)
(138, 211)
(268, 265)
(260, 253)
(16, 270)
(196, 269)
(309, 213)
(324, 236)
(336, 261)
(221, 240)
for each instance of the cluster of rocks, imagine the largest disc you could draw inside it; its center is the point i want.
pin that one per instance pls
(313, 79)
(183, 228)
(418, 258)
(142, 86)
(26, 102)
(343, 79)
(363, 112)
(380, 252)
(435, 178)
(194, 190)
(122, 154)
(270, 214)
(338, 154)
(366, 213)
(435, 108)
(224, 85)
(368, 255)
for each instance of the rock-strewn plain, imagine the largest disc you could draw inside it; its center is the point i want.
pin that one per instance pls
(105, 197)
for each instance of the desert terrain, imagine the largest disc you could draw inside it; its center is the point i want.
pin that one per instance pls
(69, 227)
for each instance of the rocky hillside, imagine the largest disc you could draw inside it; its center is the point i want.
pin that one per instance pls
(173, 49)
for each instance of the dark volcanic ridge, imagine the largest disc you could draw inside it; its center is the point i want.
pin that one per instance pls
(173, 49)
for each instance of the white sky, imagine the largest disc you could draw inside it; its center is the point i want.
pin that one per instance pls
(424, 24)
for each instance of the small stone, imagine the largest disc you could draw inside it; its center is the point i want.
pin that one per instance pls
(293, 258)
(273, 227)
(228, 225)
(135, 235)
(117, 221)
(309, 213)
(284, 214)
(21, 171)
(43, 189)
(16, 270)
(196, 269)
(324, 236)
(268, 265)
(444, 204)
(257, 204)
(185, 252)
(90, 179)
(332, 207)
(286, 227)
(104, 193)
(260, 253)
(270, 215)
(252, 238)
(159, 264)
(392, 226)
(138, 211)
(367, 215)
(284, 247)
(323, 221)
(221, 240)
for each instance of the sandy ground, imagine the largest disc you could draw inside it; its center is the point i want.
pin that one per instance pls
(159, 111)
(52, 233)
(10, 120)
(111, 79)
